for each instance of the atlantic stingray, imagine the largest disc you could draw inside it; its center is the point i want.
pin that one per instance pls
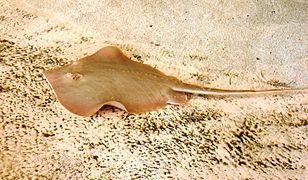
(108, 77)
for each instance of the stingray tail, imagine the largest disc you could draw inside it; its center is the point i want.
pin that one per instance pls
(189, 88)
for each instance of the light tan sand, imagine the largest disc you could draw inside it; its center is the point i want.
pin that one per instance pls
(253, 44)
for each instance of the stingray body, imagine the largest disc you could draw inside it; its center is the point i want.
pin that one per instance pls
(108, 77)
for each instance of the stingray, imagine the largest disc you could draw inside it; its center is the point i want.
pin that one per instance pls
(108, 77)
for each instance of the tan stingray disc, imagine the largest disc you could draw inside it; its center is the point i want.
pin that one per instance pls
(110, 77)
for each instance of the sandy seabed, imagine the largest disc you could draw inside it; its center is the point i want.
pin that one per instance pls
(238, 45)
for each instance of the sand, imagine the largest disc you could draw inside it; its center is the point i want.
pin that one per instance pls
(238, 45)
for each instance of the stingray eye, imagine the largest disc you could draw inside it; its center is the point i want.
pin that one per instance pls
(74, 76)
